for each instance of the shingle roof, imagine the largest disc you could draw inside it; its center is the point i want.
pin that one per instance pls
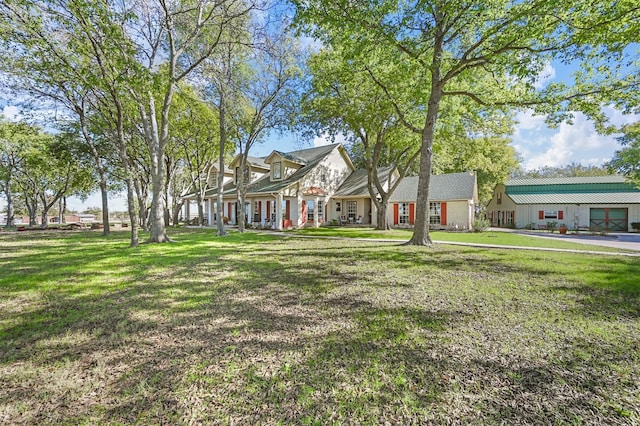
(312, 157)
(450, 186)
(356, 184)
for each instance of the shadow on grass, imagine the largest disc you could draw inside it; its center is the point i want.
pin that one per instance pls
(252, 330)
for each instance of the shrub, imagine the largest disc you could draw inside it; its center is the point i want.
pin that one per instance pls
(481, 225)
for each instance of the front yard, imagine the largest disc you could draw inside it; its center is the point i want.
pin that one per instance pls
(264, 329)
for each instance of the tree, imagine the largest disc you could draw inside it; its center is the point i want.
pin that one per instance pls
(569, 170)
(503, 44)
(342, 99)
(194, 140)
(627, 160)
(265, 99)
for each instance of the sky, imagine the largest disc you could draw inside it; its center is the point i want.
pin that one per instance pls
(536, 143)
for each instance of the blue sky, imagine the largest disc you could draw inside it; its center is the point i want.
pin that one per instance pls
(537, 144)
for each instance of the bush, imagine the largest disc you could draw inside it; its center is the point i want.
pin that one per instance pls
(481, 225)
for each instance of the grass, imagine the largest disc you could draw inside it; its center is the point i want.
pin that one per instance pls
(489, 237)
(261, 329)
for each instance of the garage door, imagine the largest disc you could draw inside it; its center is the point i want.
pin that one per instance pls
(609, 219)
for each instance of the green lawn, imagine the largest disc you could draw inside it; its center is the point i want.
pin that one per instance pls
(263, 329)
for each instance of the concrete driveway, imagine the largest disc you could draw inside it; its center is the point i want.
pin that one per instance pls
(620, 240)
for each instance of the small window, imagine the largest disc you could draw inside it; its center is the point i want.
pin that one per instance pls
(277, 170)
(310, 210)
(403, 213)
(434, 213)
(338, 206)
(499, 198)
(550, 214)
(320, 211)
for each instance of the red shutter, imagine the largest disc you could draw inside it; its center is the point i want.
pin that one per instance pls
(229, 210)
(443, 214)
(540, 214)
(560, 214)
(287, 213)
(412, 213)
(259, 211)
(268, 211)
(395, 214)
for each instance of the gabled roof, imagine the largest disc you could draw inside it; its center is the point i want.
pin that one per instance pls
(447, 187)
(312, 157)
(573, 190)
(356, 184)
(253, 161)
(287, 156)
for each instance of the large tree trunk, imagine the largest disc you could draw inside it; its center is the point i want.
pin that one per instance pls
(106, 230)
(421, 230)
(200, 209)
(223, 142)
(242, 193)
(381, 215)
(10, 208)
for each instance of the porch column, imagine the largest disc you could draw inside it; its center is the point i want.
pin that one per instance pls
(210, 212)
(278, 211)
(187, 216)
(316, 222)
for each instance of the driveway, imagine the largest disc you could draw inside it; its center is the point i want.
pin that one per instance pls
(619, 240)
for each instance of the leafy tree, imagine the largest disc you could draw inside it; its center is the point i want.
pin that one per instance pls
(342, 99)
(194, 143)
(504, 45)
(627, 160)
(265, 99)
(570, 170)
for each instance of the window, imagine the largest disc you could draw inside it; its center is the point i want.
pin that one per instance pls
(273, 211)
(277, 170)
(434, 213)
(310, 208)
(499, 198)
(352, 209)
(320, 211)
(213, 181)
(551, 214)
(338, 206)
(508, 217)
(403, 213)
(256, 211)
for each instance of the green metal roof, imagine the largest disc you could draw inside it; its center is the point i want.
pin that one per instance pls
(573, 190)
(578, 198)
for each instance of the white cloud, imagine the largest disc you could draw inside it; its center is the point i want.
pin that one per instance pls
(11, 112)
(547, 74)
(577, 143)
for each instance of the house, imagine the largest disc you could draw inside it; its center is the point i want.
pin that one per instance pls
(597, 202)
(311, 186)
(286, 189)
(210, 197)
(352, 202)
(453, 198)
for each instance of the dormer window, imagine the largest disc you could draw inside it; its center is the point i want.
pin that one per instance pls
(276, 169)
